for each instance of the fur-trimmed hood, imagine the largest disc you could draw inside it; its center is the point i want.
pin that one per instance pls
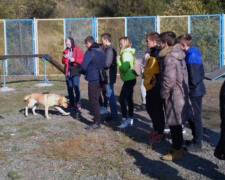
(174, 51)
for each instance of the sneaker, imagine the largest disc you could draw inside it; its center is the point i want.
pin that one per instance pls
(183, 129)
(78, 107)
(93, 126)
(157, 138)
(188, 142)
(173, 154)
(166, 129)
(126, 122)
(142, 108)
(103, 110)
(110, 118)
(151, 134)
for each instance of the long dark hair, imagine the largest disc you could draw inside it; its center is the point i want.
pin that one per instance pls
(72, 42)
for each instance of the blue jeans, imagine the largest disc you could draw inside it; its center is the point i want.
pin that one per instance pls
(73, 84)
(112, 99)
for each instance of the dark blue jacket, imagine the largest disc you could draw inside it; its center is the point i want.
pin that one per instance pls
(196, 72)
(88, 66)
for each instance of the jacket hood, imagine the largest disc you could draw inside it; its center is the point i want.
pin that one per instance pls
(72, 42)
(177, 52)
(193, 50)
(165, 51)
(154, 51)
(95, 45)
(174, 51)
(131, 50)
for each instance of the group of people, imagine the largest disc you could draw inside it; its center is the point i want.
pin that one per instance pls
(172, 84)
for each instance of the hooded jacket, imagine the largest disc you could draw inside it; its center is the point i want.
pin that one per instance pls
(175, 85)
(151, 71)
(196, 72)
(77, 54)
(126, 63)
(89, 67)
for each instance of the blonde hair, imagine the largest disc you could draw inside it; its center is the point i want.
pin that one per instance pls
(125, 43)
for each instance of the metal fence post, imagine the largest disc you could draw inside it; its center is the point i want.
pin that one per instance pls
(64, 31)
(222, 40)
(158, 23)
(35, 48)
(6, 48)
(189, 24)
(125, 26)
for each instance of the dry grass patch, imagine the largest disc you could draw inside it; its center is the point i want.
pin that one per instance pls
(94, 151)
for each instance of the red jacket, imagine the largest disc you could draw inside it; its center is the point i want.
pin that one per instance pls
(78, 55)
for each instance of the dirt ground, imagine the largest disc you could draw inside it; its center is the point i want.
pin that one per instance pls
(60, 148)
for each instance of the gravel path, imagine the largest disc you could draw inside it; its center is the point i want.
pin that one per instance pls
(35, 148)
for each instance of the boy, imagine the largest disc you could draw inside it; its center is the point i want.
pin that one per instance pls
(152, 83)
(174, 90)
(196, 90)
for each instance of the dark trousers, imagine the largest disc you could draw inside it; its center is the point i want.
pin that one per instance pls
(154, 107)
(195, 122)
(94, 91)
(177, 136)
(126, 98)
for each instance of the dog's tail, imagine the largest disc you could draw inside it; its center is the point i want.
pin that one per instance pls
(25, 98)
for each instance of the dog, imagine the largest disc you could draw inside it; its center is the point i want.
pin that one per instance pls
(46, 99)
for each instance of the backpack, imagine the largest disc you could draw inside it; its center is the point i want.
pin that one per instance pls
(137, 67)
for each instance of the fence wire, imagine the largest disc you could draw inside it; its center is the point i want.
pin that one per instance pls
(206, 36)
(50, 41)
(177, 24)
(116, 27)
(79, 29)
(19, 35)
(51, 33)
(137, 29)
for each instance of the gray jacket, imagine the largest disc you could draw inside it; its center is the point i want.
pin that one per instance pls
(175, 86)
(111, 67)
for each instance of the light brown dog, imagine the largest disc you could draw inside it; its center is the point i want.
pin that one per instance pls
(48, 100)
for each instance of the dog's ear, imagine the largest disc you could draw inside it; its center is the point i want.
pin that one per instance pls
(60, 101)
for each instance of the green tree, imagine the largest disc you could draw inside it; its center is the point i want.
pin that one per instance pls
(178, 7)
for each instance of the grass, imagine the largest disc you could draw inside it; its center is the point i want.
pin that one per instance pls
(15, 149)
(2, 155)
(63, 139)
(14, 175)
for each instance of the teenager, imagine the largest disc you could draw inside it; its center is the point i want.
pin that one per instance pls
(111, 73)
(197, 90)
(174, 90)
(125, 62)
(152, 83)
(94, 58)
(72, 58)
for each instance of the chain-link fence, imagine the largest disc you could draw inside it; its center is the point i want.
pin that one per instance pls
(47, 36)
(206, 34)
(19, 38)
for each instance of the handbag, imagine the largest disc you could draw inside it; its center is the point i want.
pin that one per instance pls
(103, 79)
(74, 69)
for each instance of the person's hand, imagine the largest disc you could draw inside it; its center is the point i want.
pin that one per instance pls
(72, 59)
(118, 57)
(65, 55)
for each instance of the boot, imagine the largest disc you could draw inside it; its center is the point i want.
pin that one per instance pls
(173, 154)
